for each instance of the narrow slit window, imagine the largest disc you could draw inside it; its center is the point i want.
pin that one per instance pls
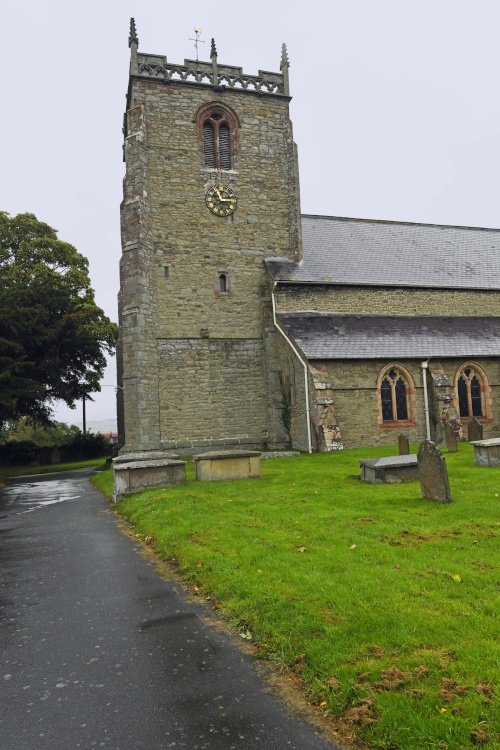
(222, 282)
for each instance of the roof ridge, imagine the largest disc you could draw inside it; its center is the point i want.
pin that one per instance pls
(399, 223)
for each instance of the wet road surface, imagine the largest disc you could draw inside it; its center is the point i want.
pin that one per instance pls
(99, 651)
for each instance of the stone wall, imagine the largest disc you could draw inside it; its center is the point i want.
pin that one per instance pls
(194, 365)
(388, 300)
(356, 404)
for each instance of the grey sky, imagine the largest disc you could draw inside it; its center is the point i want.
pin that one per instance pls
(395, 110)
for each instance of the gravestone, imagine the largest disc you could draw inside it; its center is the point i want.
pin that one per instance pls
(451, 437)
(474, 430)
(433, 473)
(403, 445)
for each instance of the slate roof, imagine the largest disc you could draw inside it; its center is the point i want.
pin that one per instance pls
(332, 336)
(384, 253)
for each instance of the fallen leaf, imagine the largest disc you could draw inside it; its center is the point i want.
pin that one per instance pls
(443, 710)
(322, 704)
(199, 565)
(196, 589)
(246, 635)
(456, 577)
(301, 549)
(353, 546)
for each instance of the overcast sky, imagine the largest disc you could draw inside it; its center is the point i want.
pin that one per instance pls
(395, 109)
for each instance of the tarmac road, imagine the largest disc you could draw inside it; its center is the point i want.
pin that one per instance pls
(99, 651)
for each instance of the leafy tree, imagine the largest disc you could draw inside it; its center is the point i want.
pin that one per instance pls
(53, 336)
(57, 433)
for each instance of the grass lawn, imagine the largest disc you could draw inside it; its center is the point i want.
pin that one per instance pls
(384, 605)
(19, 471)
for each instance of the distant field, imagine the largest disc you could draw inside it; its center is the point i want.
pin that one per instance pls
(382, 604)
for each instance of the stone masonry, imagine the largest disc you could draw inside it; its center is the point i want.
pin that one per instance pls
(192, 360)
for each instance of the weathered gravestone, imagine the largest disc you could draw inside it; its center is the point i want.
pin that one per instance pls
(403, 445)
(433, 473)
(451, 437)
(474, 430)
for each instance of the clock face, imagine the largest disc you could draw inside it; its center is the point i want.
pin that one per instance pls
(220, 200)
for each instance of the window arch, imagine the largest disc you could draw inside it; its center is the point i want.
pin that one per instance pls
(218, 134)
(223, 286)
(395, 391)
(471, 392)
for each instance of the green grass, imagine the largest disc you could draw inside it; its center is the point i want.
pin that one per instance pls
(383, 603)
(19, 471)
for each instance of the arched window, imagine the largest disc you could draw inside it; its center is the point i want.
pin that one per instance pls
(395, 393)
(471, 392)
(218, 130)
(222, 282)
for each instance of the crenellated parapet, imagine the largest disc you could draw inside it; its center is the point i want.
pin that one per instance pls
(207, 73)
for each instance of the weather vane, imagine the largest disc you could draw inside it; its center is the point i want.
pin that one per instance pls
(197, 41)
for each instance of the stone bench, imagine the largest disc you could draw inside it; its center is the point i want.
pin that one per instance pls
(487, 452)
(219, 465)
(389, 469)
(134, 476)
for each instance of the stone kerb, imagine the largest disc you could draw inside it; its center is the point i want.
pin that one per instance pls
(433, 473)
(487, 452)
(134, 476)
(389, 469)
(222, 465)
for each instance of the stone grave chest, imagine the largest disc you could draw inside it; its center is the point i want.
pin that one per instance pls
(389, 469)
(145, 473)
(487, 452)
(219, 465)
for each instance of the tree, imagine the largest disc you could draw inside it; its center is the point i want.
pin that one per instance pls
(53, 336)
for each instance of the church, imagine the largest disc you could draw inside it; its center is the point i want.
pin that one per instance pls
(244, 323)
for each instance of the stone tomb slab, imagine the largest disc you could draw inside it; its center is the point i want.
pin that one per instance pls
(220, 465)
(134, 476)
(389, 469)
(487, 452)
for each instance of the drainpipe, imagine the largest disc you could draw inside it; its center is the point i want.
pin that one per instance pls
(304, 365)
(425, 365)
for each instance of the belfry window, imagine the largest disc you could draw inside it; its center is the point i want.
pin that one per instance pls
(471, 388)
(218, 127)
(394, 389)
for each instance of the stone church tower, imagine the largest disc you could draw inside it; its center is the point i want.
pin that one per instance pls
(210, 189)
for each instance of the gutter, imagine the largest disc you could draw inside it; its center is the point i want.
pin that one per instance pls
(304, 365)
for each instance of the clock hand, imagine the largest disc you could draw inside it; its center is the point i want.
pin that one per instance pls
(218, 193)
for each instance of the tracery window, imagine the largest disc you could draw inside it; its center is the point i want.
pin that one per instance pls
(395, 391)
(218, 136)
(471, 390)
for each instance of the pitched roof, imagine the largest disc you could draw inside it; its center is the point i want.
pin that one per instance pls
(332, 336)
(384, 253)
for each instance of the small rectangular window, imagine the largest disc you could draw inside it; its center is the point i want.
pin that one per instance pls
(166, 272)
